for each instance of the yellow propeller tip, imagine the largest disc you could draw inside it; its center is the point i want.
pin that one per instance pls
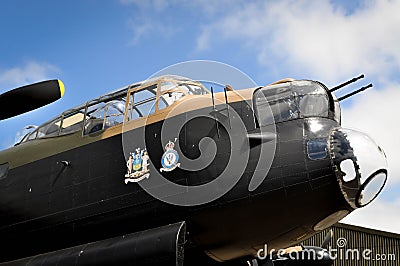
(62, 88)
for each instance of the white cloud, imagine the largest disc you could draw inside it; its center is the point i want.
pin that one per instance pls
(380, 214)
(140, 29)
(306, 38)
(143, 27)
(314, 37)
(29, 73)
(151, 18)
(167, 18)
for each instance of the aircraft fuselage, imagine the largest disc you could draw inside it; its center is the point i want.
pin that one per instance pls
(74, 189)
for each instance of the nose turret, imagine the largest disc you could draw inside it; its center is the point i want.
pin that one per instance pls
(360, 166)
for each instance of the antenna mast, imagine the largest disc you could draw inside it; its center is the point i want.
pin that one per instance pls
(215, 111)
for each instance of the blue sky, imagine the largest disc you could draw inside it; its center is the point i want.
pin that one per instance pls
(98, 46)
(93, 47)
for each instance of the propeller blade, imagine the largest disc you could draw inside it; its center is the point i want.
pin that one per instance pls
(30, 97)
(327, 239)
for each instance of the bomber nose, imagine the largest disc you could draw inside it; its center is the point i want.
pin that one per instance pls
(360, 165)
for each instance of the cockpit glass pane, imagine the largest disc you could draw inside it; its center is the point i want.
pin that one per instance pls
(95, 118)
(192, 88)
(96, 111)
(313, 105)
(115, 113)
(22, 135)
(103, 115)
(305, 87)
(144, 100)
(176, 89)
(168, 85)
(49, 129)
(284, 109)
(196, 90)
(312, 99)
(171, 97)
(264, 116)
(277, 92)
(282, 103)
(171, 92)
(32, 135)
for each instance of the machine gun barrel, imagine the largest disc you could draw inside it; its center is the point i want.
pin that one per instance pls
(354, 92)
(346, 83)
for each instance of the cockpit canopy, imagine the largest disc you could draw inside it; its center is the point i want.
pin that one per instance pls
(144, 98)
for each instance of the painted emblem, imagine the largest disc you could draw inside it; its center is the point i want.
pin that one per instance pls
(137, 165)
(170, 158)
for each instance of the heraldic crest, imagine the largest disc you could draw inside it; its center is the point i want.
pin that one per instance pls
(137, 165)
